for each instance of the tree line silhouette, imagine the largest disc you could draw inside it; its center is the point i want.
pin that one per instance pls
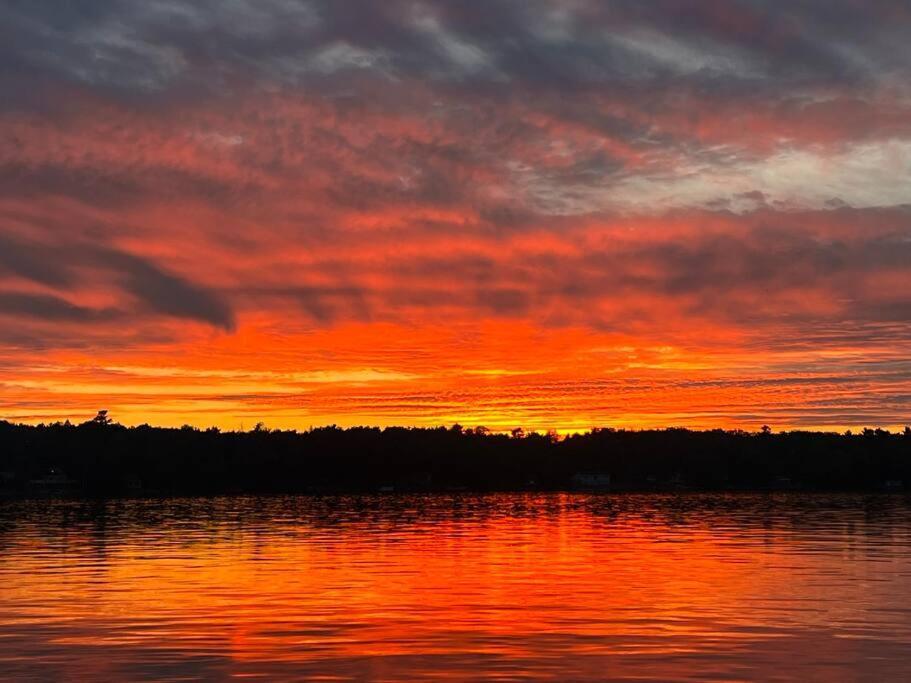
(101, 457)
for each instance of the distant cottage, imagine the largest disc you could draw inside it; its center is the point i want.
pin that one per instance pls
(591, 480)
(53, 479)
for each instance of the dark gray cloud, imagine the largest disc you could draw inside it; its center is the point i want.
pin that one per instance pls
(166, 293)
(50, 308)
(32, 262)
(152, 45)
(110, 186)
(154, 289)
(557, 103)
(322, 304)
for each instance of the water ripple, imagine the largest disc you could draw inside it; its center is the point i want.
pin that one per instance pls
(502, 587)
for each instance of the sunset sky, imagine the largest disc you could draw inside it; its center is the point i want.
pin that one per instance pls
(554, 214)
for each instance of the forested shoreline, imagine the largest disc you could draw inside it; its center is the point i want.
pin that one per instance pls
(100, 457)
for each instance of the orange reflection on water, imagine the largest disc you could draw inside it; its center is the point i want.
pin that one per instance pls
(515, 586)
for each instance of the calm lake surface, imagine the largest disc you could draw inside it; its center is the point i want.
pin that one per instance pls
(504, 587)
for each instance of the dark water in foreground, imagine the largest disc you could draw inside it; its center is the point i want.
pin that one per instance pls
(560, 587)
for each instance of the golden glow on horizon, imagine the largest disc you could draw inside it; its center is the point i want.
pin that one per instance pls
(568, 380)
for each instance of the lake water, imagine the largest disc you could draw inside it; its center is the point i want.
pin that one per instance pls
(462, 587)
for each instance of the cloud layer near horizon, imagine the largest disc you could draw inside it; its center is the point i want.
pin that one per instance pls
(540, 213)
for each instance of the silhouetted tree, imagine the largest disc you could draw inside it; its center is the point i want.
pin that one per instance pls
(102, 419)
